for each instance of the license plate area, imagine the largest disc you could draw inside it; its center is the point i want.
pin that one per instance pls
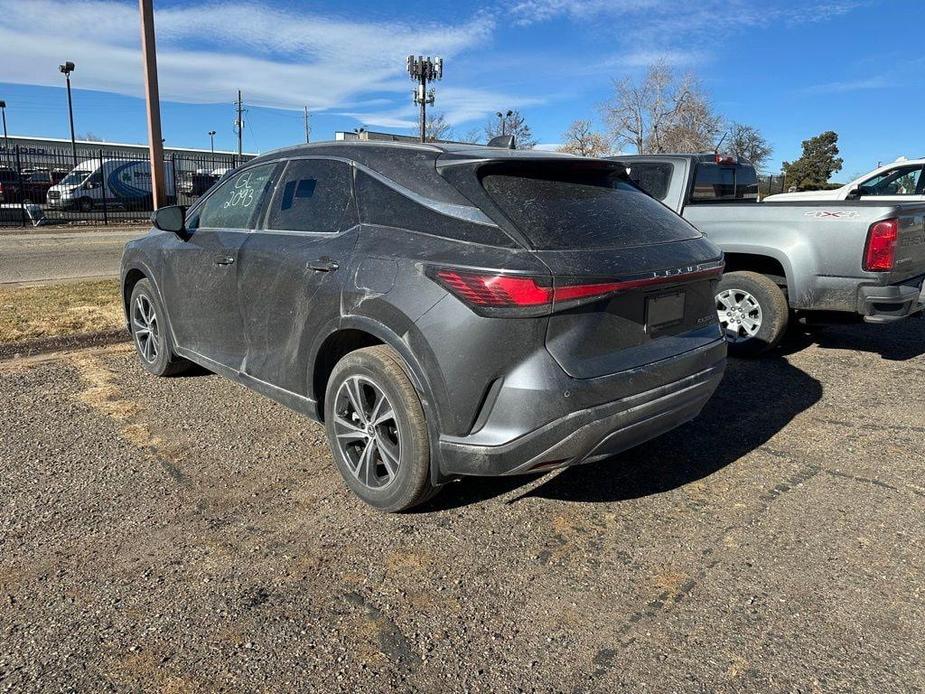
(664, 311)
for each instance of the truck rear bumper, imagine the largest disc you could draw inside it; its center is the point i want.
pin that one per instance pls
(890, 303)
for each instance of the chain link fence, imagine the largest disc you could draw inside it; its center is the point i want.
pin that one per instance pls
(98, 186)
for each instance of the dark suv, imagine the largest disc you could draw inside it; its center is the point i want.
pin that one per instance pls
(444, 310)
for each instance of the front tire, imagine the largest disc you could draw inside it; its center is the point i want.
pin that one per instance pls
(85, 205)
(752, 311)
(148, 324)
(377, 430)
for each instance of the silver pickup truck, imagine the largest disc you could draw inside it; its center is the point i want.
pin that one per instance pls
(856, 257)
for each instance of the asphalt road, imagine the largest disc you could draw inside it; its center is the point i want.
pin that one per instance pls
(186, 534)
(37, 257)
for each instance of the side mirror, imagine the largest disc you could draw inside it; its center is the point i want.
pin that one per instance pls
(171, 218)
(853, 194)
(93, 185)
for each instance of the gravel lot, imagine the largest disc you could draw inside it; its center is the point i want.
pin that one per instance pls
(185, 534)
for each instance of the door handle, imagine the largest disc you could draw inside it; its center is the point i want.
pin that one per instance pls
(323, 265)
(224, 260)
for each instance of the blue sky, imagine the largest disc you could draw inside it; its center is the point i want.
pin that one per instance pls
(790, 68)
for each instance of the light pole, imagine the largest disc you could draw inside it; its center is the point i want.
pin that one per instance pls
(66, 69)
(501, 119)
(424, 70)
(212, 141)
(6, 142)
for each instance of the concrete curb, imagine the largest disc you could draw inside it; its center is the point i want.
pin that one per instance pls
(42, 345)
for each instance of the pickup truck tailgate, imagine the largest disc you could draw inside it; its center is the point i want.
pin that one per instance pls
(910, 246)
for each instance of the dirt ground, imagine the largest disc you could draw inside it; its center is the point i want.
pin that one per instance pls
(186, 534)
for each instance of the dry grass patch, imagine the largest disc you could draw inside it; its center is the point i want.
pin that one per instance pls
(27, 313)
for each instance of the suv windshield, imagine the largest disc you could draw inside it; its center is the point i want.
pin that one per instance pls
(568, 207)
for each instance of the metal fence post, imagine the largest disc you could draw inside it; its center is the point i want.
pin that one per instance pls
(173, 169)
(103, 189)
(22, 190)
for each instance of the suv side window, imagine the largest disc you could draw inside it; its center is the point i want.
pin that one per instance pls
(905, 180)
(234, 204)
(314, 195)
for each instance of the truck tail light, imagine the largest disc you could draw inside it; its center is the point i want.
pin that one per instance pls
(880, 251)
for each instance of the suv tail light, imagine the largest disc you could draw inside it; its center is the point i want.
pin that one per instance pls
(494, 293)
(880, 251)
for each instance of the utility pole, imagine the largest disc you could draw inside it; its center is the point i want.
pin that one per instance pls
(239, 123)
(424, 70)
(66, 69)
(308, 127)
(153, 101)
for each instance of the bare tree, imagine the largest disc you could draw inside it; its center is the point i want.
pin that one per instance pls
(473, 136)
(581, 139)
(748, 143)
(436, 128)
(514, 124)
(661, 113)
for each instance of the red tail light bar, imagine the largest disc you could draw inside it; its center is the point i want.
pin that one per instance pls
(492, 291)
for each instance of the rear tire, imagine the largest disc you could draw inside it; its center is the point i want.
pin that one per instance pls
(377, 430)
(151, 334)
(753, 312)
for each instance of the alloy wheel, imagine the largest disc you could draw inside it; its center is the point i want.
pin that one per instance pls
(739, 314)
(367, 431)
(145, 328)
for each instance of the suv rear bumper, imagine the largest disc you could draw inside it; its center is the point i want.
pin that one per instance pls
(600, 431)
(891, 303)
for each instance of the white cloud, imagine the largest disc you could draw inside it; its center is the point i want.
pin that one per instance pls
(848, 86)
(207, 52)
(686, 17)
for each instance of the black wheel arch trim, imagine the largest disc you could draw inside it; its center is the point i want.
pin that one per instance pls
(416, 372)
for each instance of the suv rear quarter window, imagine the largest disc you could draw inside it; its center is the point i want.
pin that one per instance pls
(383, 205)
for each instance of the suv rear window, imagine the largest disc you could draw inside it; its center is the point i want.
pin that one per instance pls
(716, 183)
(574, 208)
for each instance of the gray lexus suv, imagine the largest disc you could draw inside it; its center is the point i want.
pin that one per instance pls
(445, 310)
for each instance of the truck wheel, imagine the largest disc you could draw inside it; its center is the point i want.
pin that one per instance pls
(377, 430)
(752, 311)
(85, 204)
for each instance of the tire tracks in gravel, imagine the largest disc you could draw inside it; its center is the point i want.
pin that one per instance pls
(606, 656)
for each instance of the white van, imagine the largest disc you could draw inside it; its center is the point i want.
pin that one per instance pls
(120, 182)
